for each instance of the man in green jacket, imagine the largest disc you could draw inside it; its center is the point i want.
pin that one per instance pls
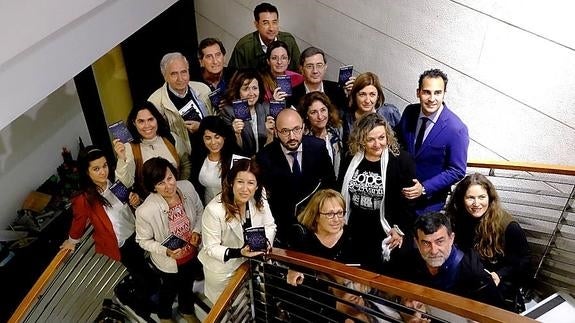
(250, 50)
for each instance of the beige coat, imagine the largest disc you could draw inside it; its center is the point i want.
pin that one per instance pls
(162, 102)
(152, 226)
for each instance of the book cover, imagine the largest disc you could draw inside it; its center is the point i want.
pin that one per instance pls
(345, 72)
(216, 97)
(121, 191)
(190, 112)
(255, 237)
(120, 131)
(241, 110)
(174, 242)
(276, 107)
(284, 82)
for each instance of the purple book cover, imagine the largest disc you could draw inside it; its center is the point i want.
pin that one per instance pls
(345, 72)
(284, 82)
(256, 238)
(241, 110)
(276, 107)
(120, 131)
(174, 242)
(121, 191)
(216, 97)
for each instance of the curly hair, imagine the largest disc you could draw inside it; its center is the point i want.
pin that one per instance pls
(306, 102)
(362, 127)
(241, 165)
(363, 80)
(310, 214)
(490, 232)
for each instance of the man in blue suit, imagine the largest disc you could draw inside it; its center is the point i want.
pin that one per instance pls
(438, 141)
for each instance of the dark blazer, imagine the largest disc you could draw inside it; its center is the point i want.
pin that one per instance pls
(248, 147)
(283, 188)
(442, 159)
(333, 91)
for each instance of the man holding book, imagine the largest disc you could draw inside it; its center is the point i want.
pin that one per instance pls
(182, 102)
(250, 50)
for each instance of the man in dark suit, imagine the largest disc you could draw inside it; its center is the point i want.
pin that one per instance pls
(313, 67)
(293, 166)
(438, 141)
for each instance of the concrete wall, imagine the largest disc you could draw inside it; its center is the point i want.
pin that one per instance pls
(510, 63)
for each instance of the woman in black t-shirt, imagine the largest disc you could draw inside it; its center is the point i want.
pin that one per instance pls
(377, 214)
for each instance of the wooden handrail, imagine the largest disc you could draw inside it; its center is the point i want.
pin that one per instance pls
(226, 297)
(36, 290)
(527, 167)
(461, 306)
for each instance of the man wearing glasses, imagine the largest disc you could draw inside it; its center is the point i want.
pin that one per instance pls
(293, 167)
(313, 67)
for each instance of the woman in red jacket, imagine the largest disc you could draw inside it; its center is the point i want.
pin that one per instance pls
(113, 221)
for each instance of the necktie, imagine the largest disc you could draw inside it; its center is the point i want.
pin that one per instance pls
(295, 169)
(420, 134)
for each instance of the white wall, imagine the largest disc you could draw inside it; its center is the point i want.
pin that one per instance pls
(31, 146)
(510, 63)
(47, 43)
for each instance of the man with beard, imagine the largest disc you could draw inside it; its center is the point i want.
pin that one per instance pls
(293, 167)
(438, 141)
(441, 265)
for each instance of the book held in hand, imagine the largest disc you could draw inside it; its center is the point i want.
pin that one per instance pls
(345, 72)
(242, 110)
(174, 242)
(255, 237)
(276, 107)
(190, 112)
(120, 131)
(284, 82)
(215, 97)
(121, 191)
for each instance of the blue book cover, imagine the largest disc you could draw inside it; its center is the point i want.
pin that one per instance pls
(345, 72)
(120, 131)
(284, 82)
(216, 97)
(241, 110)
(276, 107)
(255, 237)
(190, 111)
(121, 191)
(174, 242)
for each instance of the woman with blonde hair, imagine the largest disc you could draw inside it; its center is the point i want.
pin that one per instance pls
(480, 223)
(376, 211)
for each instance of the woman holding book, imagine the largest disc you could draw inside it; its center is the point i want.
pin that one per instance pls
(152, 138)
(480, 223)
(247, 113)
(111, 218)
(278, 60)
(241, 206)
(322, 120)
(366, 97)
(168, 225)
(373, 175)
(212, 157)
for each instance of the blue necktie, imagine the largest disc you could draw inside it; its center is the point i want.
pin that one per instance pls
(421, 133)
(295, 169)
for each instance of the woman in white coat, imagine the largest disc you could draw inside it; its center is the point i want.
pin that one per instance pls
(173, 208)
(241, 205)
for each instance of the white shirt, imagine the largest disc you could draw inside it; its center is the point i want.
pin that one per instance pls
(290, 158)
(210, 179)
(121, 216)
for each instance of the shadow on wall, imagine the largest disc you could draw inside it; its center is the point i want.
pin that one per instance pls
(29, 131)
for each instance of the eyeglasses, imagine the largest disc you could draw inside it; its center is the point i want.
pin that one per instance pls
(285, 131)
(332, 215)
(310, 67)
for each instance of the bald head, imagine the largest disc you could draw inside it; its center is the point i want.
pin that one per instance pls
(289, 128)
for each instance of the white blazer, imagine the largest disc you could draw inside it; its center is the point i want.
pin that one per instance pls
(152, 224)
(219, 234)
